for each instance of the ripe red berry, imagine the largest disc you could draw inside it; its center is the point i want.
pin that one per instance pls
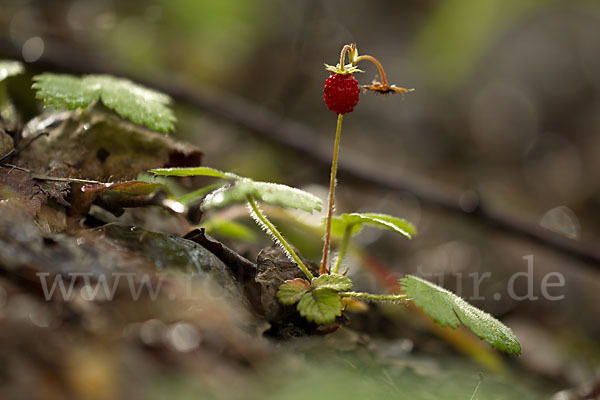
(341, 93)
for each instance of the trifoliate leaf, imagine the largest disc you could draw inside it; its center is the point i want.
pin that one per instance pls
(334, 282)
(137, 103)
(266, 192)
(384, 221)
(194, 171)
(320, 306)
(10, 68)
(292, 291)
(447, 309)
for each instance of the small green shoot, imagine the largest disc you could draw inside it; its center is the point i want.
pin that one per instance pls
(355, 222)
(130, 100)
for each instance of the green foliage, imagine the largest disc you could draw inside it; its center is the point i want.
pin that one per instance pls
(194, 171)
(318, 301)
(137, 103)
(271, 193)
(333, 282)
(198, 195)
(355, 222)
(292, 291)
(242, 188)
(10, 68)
(320, 306)
(447, 309)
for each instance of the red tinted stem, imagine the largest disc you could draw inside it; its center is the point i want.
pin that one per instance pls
(331, 200)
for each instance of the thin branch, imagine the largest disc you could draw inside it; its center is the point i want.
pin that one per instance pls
(302, 139)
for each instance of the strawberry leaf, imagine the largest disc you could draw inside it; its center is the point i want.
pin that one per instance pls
(339, 225)
(334, 282)
(194, 171)
(383, 221)
(447, 309)
(10, 68)
(292, 291)
(135, 102)
(320, 306)
(270, 193)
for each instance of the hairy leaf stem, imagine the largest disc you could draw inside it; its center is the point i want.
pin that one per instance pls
(263, 219)
(374, 297)
(334, 162)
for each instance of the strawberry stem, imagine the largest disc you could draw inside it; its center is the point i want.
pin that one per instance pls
(377, 63)
(334, 162)
(345, 49)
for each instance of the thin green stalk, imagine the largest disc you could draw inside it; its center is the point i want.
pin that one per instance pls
(334, 163)
(343, 248)
(374, 297)
(263, 219)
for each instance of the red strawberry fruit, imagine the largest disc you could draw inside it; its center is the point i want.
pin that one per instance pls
(341, 92)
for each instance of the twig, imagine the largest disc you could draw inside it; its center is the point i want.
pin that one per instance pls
(304, 140)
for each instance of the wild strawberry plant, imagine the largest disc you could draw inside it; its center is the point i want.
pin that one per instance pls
(317, 297)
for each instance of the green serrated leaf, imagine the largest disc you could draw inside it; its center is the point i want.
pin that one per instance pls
(64, 90)
(271, 193)
(292, 291)
(384, 221)
(135, 102)
(286, 196)
(194, 171)
(334, 282)
(10, 68)
(447, 309)
(320, 306)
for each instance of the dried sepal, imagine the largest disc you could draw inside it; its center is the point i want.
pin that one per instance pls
(384, 89)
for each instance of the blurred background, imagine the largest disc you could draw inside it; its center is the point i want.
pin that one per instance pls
(505, 114)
